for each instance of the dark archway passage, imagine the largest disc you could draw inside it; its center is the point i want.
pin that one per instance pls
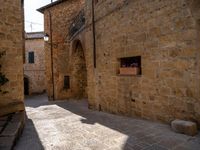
(26, 86)
(79, 71)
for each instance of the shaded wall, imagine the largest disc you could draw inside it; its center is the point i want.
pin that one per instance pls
(11, 41)
(165, 35)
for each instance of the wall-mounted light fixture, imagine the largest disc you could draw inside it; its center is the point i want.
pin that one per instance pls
(46, 37)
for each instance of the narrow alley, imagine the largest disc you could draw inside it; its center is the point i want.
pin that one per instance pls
(100, 75)
(71, 126)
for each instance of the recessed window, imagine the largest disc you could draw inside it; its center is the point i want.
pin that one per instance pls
(130, 66)
(66, 82)
(31, 58)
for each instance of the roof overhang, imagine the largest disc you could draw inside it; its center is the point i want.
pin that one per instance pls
(34, 35)
(42, 9)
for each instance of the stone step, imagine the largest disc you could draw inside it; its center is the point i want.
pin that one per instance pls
(6, 143)
(5, 118)
(12, 131)
(12, 108)
(2, 123)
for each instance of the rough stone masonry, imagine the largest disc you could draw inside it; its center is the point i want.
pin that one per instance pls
(166, 35)
(161, 36)
(12, 42)
(58, 17)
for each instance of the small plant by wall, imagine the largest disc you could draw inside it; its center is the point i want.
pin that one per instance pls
(3, 78)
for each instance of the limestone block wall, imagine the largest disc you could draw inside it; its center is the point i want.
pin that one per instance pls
(62, 16)
(165, 34)
(11, 41)
(35, 72)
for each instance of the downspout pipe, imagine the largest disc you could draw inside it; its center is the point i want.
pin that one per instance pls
(94, 34)
(51, 47)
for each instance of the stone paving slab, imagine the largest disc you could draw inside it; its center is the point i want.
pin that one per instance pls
(71, 126)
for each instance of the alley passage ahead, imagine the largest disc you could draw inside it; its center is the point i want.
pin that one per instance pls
(69, 125)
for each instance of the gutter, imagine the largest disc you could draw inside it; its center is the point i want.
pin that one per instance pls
(42, 9)
(51, 39)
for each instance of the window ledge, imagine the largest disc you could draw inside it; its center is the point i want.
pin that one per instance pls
(129, 75)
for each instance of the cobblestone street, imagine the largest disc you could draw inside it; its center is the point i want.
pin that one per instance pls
(71, 126)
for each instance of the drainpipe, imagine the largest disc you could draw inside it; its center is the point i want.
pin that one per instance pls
(94, 44)
(94, 34)
(51, 46)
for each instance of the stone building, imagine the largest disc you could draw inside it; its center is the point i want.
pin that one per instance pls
(58, 17)
(142, 57)
(12, 42)
(161, 37)
(34, 67)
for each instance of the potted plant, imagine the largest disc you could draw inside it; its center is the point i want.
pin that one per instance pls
(133, 69)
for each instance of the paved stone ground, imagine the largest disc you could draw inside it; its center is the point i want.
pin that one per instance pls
(71, 126)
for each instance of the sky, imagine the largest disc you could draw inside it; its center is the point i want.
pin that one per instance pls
(33, 19)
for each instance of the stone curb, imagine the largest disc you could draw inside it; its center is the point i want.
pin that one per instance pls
(12, 129)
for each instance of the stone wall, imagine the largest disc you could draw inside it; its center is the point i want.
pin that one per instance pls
(35, 72)
(165, 35)
(62, 15)
(11, 41)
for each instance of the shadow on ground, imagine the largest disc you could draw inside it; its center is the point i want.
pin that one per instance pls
(35, 101)
(29, 139)
(141, 134)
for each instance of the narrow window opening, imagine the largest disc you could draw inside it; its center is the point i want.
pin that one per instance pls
(66, 82)
(31, 58)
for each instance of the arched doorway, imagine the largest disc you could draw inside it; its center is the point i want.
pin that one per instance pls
(79, 71)
(26, 86)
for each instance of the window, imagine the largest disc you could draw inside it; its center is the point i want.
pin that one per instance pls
(130, 66)
(66, 82)
(31, 58)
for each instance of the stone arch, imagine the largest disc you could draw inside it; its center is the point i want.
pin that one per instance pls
(78, 70)
(74, 42)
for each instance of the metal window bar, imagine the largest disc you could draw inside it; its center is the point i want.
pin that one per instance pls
(77, 23)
